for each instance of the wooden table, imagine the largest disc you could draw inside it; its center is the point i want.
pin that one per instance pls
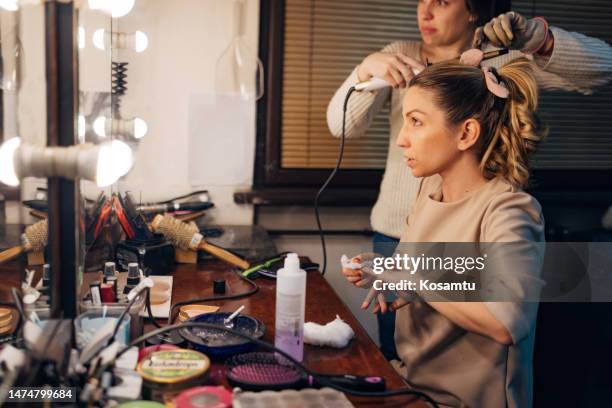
(360, 357)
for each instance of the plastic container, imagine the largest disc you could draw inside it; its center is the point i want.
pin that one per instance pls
(290, 307)
(136, 322)
(87, 324)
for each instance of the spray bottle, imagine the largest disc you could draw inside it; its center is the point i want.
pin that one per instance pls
(290, 307)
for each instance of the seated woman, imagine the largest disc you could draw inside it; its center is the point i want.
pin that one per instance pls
(468, 133)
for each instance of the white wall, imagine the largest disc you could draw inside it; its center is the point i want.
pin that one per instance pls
(185, 39)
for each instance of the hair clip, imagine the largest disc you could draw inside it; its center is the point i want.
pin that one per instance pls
(495, 86)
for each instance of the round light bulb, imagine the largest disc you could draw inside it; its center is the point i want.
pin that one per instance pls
(117, 8)
(98, 39)
(81, 37)
(123, 159)
(140, 128)
(81, 127)
(114, 161)
(7, 161)
(9, 5)
(99, 126)
(141, 40)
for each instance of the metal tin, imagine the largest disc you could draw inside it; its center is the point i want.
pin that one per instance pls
(166, 373)
(204, 397)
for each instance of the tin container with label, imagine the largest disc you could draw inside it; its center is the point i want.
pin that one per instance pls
(167, 373)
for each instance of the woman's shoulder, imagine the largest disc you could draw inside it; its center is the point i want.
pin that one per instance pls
(511, 214)
(407, 47)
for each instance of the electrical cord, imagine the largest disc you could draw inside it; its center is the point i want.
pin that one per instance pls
(321, 379)
(254, 289)
(126, 310)
(330, 178)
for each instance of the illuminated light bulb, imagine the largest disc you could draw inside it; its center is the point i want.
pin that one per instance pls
(99, 126)
(8, 175)
(117, 8)
(99, 39)
(9, 5)
(81, 127)
(81, 37)
(140, 128)
(114, 161)
(103, 164)
(136, 41)
(136, 127)
(141, 41)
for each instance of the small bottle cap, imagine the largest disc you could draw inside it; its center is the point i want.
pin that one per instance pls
(109, 269)
(292, 262)
(219, 286)
(133, 271)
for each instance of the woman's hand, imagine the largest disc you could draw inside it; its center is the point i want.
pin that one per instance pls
(356, 275)
(513, 31)
(381, 304)
(395, 68)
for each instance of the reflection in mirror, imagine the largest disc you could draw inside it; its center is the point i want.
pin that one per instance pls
(23, 107)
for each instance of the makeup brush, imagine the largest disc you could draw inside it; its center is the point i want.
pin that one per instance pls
(187, 236)
(33, 239)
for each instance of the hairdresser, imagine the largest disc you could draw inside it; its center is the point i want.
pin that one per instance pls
(560, 60)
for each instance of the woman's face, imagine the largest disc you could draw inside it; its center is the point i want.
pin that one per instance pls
(430, 145)
(443, 22)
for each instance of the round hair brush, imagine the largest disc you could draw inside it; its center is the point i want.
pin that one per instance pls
(33, 239)
(187, 236)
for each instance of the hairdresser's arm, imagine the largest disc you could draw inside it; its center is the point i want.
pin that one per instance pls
(363, 106)
(575, 62)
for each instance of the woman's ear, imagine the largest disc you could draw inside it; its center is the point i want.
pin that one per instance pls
(470, 132)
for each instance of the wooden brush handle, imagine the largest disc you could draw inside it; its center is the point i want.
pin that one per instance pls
(223, 254)
(10, 254)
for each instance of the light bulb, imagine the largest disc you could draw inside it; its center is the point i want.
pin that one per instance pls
(136, 41)
(140, 128)
(9, 5)
(81, 37)
(117, 8)
(81, 128)
(141, 41)
(114, 161)
(7, 161)
(98, 39)
(99, 126)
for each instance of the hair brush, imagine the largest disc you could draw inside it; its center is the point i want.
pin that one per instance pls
(33, 239)
(261, 371)
(187, 236)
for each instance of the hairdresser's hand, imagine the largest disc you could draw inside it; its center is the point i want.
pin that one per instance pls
(513, 31)
(395, 68)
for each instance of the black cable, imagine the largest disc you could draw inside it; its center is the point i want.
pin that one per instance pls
(126, 310)
(254, 290)
(270, 347)
(39, 363)
(19, 307)
(151, 318)
(331, 176)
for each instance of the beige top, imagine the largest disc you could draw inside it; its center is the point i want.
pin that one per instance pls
(578, 63)
(456, 367)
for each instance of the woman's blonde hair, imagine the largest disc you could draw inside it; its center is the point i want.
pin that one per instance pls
(510, 128)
